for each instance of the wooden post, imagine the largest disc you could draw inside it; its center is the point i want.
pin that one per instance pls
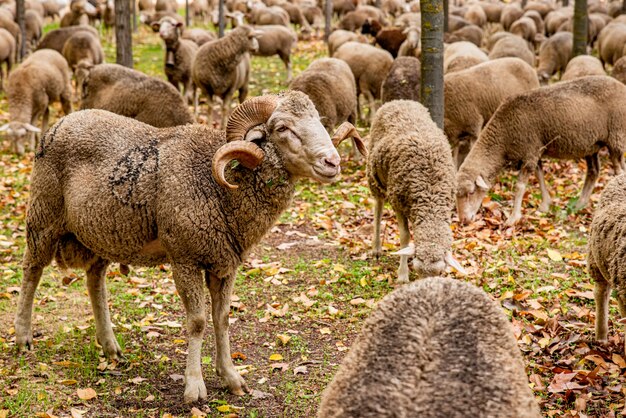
(328, 14)
(123, 36)
(431, 89)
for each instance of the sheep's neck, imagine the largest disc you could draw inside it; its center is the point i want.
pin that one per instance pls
(21, 107)
(490, 153)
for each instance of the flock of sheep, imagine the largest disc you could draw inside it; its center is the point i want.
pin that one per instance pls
(111, 184)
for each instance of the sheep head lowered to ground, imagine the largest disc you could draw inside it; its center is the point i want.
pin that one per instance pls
(19, 134)
(175, 207)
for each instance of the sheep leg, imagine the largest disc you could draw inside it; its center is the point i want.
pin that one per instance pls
(372, 105)
(287, 61)
(209, 105)
(226, 110)
(405, 238)
(221, 291)
(96, 287)
(378, 214)
(190, 287)
(601, 293)
(359, 114)
(520, 189)
(617, 160)
(593, 171)
(546, 200)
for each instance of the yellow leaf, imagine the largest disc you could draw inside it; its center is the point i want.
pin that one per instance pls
(86, 394)
(276, 357)
(223, 408)
(554, 255)
(339, 268)
(324, 330)
(363, 282)
(68, 382)
(284, 339)
(4, 413)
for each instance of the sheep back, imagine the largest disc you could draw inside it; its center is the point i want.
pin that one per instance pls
(403, 80)
(369, 65)
(436, 347)
(582, 66)
(56, 38)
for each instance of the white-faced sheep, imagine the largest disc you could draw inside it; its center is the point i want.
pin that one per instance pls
(42, 79)
(131, 193)
(330, 85)
(607, 243)
(410, 47)
(403, 80)
(554, 54)
(410, 166)
(568, 120)
(434, 348)
(582, 66)
(276, 40)
(473, 95)
(179, 56)
(133, 94)
(82, 52)
(222, 67)
(370, 66)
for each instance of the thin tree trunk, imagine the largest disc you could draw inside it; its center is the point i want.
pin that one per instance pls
(624, 7)
(221, 18)
(580, 27)
(187, 17)
(123, 35)
(134, 15)
(446, 7)
(328, 17)
(19, 12)
(524, 2)
(431, 89)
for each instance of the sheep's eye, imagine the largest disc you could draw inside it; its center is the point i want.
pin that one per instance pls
(282, 128)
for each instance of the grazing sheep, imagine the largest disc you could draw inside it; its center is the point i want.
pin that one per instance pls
(274, 15)
(525, 28)
(458, 50)
(410, 47)
(555, 19)
(403, 80)
(330, 85)
(133, 94)
(434, 348)
(607, 242)
(512, 46)
(339, 37)
(6, 22)
(82, 51)
(276, 40)
(619, 70)
(410, 166)
(544, 8)
(34, 25)
(390, 39)
(476, 15)
(7, 53)
(55, 39)
(455, 23)
(179, 56)
(197, 35)
(353, 21)
(222, 67)
(582, 66)
(469, 33)
(569, 120)
(370, 66)
(554, 54)
(510, 13)
(611, 43)
(51, 8)
(536, 17)
(472, 96)
(42, 79)
(493, 11)
(77, 14)
(130, 193)
(296, 16)
(409, 20)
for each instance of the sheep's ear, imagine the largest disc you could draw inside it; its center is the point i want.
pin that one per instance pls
(409, 251)
(452, 262)
(179, 24)
(155, 26)
(256, 134)
(32, 128)
(4, 127)
(481, 183)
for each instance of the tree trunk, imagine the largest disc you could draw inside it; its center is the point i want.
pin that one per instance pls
(580, 27)
(446, 7)
(624, 7)
(524, 2)
(431, 89)
(187, 17)
(134, 15)
(328, 14)
(123, 35)
(19, 12)
(221, 18)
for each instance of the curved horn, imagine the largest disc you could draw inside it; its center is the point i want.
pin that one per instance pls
(347, 130)
(248, 154)
(249, 114)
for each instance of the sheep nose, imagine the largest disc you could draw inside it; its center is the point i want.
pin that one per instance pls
(333, 161)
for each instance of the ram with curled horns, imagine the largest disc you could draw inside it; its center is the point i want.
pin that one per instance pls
(107, 189)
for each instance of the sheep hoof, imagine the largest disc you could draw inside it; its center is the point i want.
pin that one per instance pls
(512, 221)
(236, 384)
(544, 207)
(24, 341)
(194, 389)
(113, 351)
